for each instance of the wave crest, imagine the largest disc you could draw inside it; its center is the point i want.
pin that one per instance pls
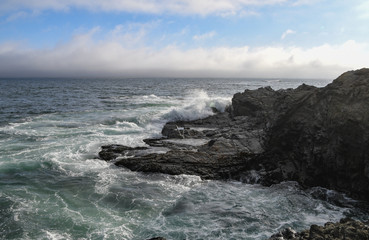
(198, 104)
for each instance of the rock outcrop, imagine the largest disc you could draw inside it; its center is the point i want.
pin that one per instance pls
(345, 229)
(315, 136)
(195, 148)
(322, 137)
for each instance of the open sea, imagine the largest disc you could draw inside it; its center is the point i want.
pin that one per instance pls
(52, 186)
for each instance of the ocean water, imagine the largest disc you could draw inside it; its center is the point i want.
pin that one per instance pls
(53, 187)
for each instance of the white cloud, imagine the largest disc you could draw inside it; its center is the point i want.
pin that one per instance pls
(16, 16)
(203, 7)
(305, 2)
(363, 10)
(287, 32)
(21, 14)
(132, 34)
(245, 13)
(204, 36)
(83, 56)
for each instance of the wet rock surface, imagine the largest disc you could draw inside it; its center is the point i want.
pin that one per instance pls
(197, 148)
(347, 228)
(315, 136)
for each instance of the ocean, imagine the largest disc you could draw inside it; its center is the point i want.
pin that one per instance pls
(52, 186)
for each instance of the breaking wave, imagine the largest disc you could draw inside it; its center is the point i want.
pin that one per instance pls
(197, 105)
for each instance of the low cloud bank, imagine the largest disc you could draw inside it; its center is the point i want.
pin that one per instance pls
(84, 57)
(183, 7)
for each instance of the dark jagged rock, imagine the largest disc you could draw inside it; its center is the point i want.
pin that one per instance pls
(268, 105)
(345, 229)
(287, 233)
(114, 151)
(322, 139)
(203, 164)
(316, 136)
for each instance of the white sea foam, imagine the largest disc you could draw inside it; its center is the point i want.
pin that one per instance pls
(55, 235)
(241, 211)
(151, 97)
(197, 104)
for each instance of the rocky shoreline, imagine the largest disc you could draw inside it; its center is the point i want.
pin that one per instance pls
(314, 136)
(346, 228)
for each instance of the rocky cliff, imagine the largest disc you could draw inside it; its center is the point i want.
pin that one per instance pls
(316, 136)
(320, 136)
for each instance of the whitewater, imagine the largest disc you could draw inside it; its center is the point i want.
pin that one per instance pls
(52, 186)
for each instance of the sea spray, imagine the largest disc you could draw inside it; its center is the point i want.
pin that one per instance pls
(198, 105)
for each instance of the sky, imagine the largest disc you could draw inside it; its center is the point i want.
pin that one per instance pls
(183, 38)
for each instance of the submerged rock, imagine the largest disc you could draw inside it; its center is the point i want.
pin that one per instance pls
(315, 136)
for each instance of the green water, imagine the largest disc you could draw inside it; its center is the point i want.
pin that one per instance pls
(53, 187)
